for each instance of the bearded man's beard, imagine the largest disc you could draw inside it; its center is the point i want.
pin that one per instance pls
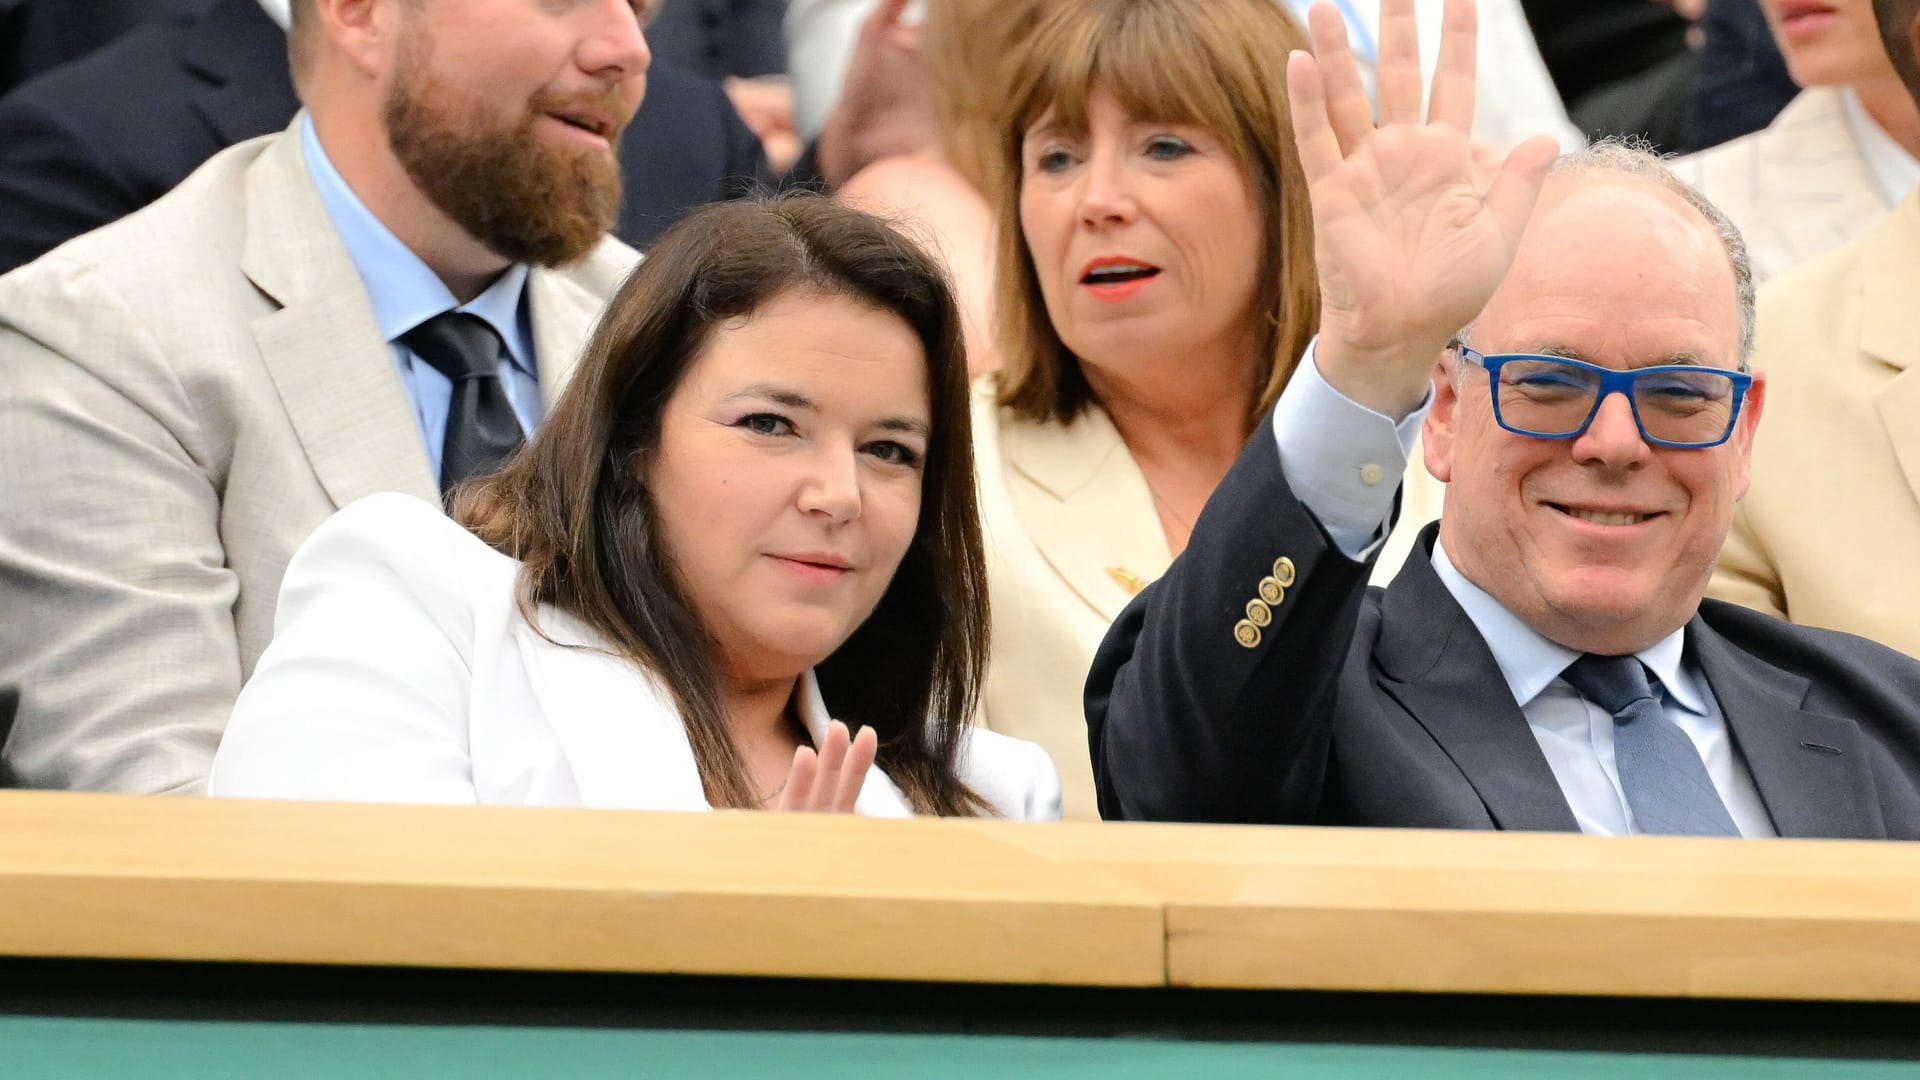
(525, 199)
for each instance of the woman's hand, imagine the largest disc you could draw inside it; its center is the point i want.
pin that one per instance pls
(1408, 247)
(829, 782)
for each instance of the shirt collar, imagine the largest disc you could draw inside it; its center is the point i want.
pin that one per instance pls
(280, 11)
(403, 290)
(1894, 170)
(1530, 662)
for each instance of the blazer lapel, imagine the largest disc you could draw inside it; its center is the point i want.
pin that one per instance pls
(1088, 509)
(618, 727)
(1439, 668)
(1811, 771)
(240, 55)
(1890, 328)
(326, 356)
(561, 308)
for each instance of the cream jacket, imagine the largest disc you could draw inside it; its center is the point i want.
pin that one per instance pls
(1829, 531)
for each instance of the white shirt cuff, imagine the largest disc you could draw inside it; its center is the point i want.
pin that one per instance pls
(1343, 460)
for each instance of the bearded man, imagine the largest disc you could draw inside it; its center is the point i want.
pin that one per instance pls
(382, 297)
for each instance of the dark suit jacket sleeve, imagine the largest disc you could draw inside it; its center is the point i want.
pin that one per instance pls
(1187, 724)
(53, 186)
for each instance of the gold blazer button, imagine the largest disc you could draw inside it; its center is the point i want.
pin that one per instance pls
(1272, 591)
(1259, 614)
(1247, 634)
(1283, 572)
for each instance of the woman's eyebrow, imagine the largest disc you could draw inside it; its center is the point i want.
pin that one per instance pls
(909, 424)
(779, 395)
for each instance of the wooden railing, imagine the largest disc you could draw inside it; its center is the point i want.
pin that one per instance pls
(108, 877)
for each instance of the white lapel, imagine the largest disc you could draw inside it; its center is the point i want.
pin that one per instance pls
(618, 727)
(621, 730)
(333, 369)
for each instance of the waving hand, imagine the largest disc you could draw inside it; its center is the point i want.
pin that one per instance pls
(1408, 247)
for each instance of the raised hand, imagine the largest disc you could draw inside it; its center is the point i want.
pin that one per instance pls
(884, 109)
(829, 781)
(1408, 246)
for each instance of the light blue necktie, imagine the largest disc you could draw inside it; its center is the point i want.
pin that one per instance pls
(1665, 782)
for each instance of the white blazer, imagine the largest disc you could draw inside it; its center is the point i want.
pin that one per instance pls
(401, 670)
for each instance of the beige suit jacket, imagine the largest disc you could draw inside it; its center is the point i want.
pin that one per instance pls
(1798, 188)
(1829, 532)
(1071, 536)
(184, 395)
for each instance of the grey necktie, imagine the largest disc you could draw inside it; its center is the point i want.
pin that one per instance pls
(1665, 782)
(482, 430)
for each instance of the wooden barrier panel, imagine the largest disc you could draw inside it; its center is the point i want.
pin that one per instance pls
(956, 901)
(1460, 912)
(114, 877)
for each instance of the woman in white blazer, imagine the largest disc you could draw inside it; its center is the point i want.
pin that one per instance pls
(739, 566)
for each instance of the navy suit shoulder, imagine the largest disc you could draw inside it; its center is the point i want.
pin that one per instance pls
(94, 140)
(1358, 706)
(39, 35)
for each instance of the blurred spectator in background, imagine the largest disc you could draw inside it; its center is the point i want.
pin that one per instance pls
(1827, 533)
(738, 43)
(1518, 97)
(1840, 156)
(1623, 67)
(99, 138)
(940, 193)
(720, 38)
(1743, 82)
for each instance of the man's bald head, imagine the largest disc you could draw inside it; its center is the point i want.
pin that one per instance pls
(1896, 19)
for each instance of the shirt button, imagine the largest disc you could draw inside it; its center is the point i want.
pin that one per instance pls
(1370, 474)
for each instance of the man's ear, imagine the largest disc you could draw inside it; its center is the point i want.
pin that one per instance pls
(365, 32)
(1436, 437)
(1744, 431)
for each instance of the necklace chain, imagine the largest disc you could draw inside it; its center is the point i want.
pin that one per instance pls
(1161, 501)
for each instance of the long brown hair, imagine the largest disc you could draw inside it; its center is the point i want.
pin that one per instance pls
(574, 506)
(1219, 65)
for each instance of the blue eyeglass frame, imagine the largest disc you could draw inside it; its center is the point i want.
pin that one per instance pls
(1612, 381)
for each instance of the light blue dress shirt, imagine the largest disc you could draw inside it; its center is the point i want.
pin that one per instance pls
(405, 292)
(1325, 439)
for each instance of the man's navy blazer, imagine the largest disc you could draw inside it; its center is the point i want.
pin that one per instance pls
(1360, 706)
(87, 143)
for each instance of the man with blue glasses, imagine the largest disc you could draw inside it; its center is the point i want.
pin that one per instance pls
(1544, 661)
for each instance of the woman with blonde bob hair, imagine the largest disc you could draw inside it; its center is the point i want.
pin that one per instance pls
(738, 566)
(1155, 288)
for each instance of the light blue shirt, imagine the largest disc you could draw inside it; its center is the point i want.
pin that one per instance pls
(405, 292)
(1324, 438)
